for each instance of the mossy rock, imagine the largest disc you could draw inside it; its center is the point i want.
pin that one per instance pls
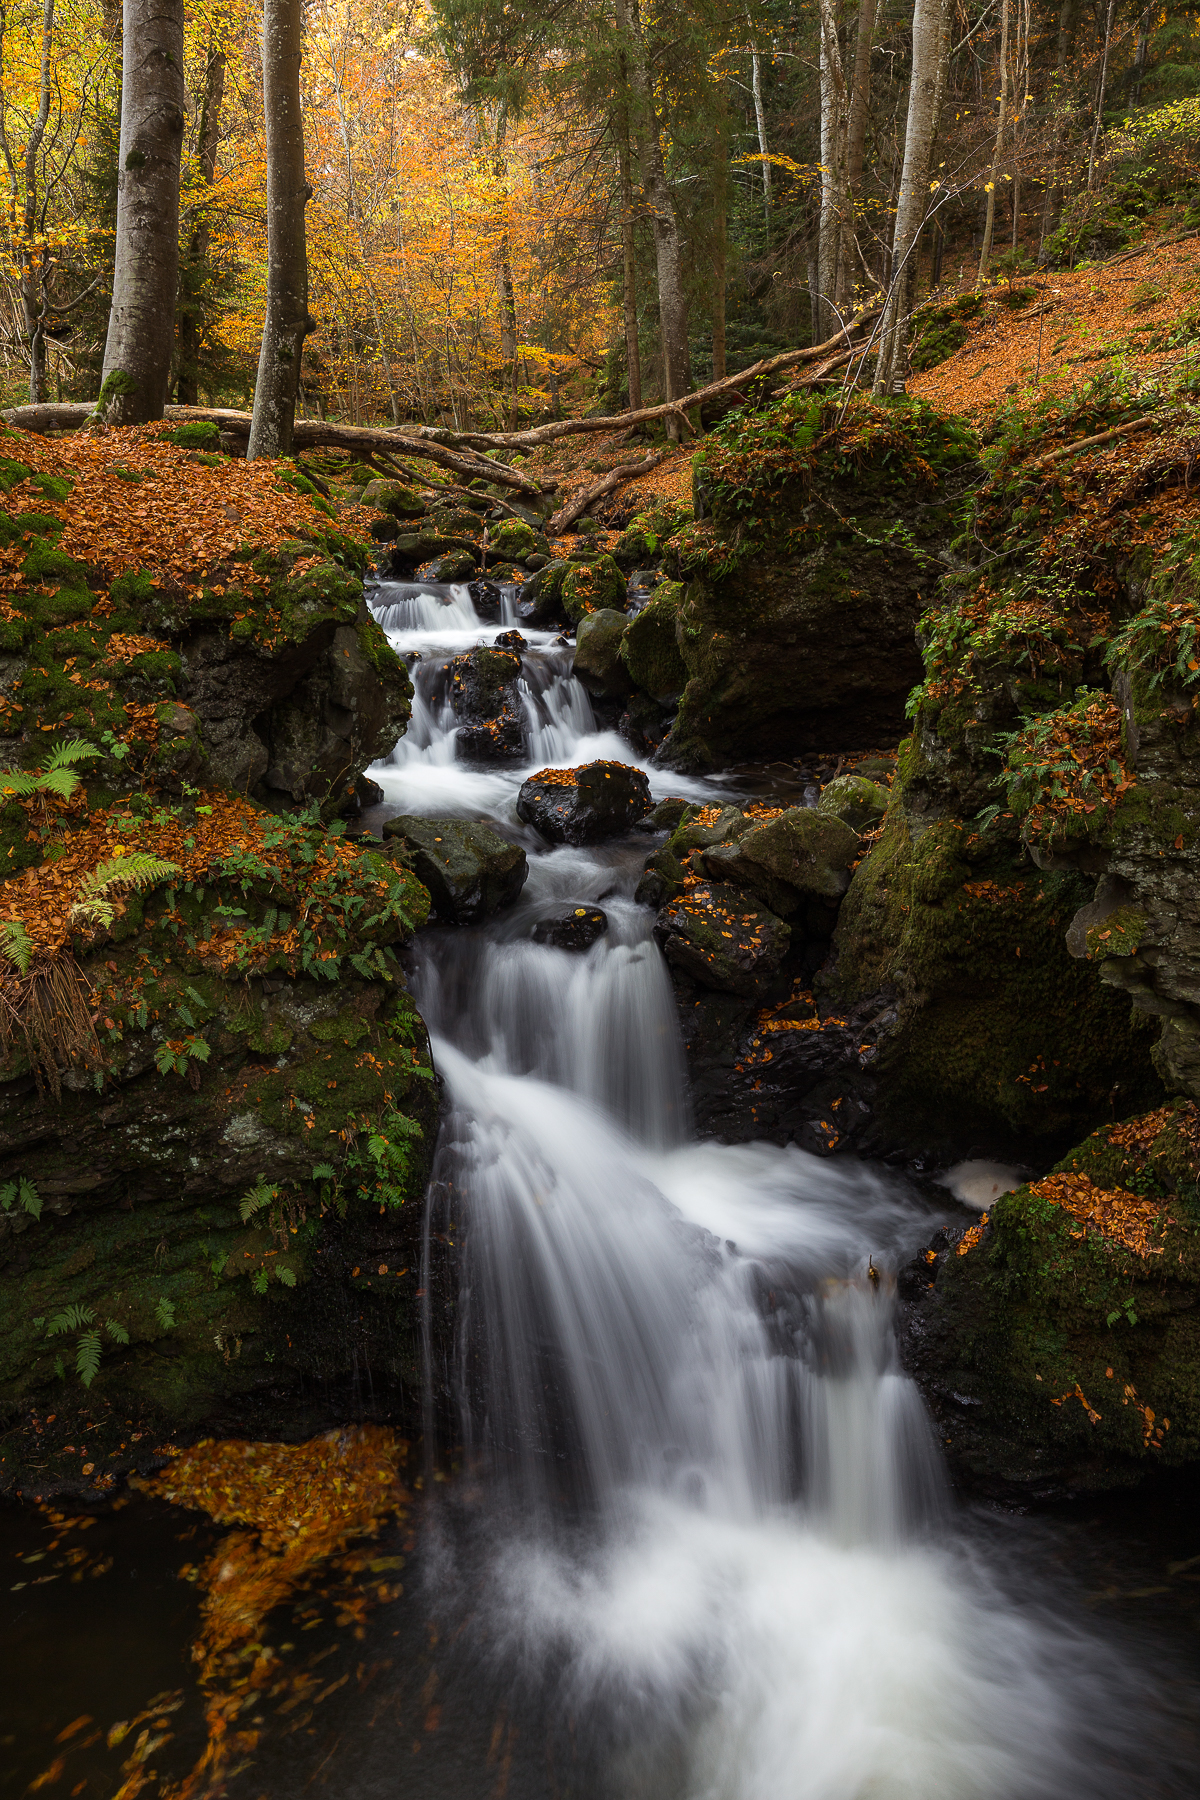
(650, 651)
(589, 587)
(860, 803)
(599, 663)
(512, 540)
(394, 498)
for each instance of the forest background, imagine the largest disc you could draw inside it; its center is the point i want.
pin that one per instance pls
(501, 200)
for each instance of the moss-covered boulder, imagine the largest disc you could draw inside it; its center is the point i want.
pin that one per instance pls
(1060, 1340)
(487, 705)
(394, 498)
(857, 801)
(650, 651)
(592, 586)
(815, 557)
(470, 871)
(800, 855)
(512, 540)
(598, 661)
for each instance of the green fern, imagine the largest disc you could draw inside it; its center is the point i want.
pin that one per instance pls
(137, 870)
(23, 1193)
(16, 944)
(89, 1344)
(87, 1357)
(260, 1195)
(164, 1312)
(72, 1318)
(57, 776)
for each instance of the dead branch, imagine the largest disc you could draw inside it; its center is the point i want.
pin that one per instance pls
(567, 515)
(1101, 437)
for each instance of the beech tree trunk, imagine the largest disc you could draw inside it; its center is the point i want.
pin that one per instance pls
(989, 222)
(1054, 193)
(931, 48)
(720, 205)
(141, 323)
(287, 322)
(856, 138)
(191, 320)
(1095, 145)
(668, 249)
(760, 120)
(633, 349)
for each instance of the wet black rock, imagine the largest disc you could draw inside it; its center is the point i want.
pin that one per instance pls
(719, 938)
(577, 929)
(487, 599)
(469, 869)
(584, 805)
(483, 690)
(511, 640)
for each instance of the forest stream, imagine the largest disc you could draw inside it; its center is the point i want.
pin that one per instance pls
(693, 1539)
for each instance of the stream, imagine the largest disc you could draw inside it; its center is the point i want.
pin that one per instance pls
(700, 1544)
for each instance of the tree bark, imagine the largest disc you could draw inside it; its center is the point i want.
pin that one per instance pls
(834, 149)
(760, 120)
(931, 40)
(668, 250)
(33, 270)
(1112, 8)
(720, 207)
(856, 138)
(1053, 202)
(208, 138)
(989, 222)
(141, 323)
(633, 349)
(287, 322)
(1139, 59)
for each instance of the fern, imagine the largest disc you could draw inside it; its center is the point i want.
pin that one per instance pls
(89, 1344)
(16, 944)
(260, 1195)
(24, 1193)
(116, 1331)
(287, 1276)
(72, 1318)
(164, 1312)
(87, 1357)
(137, 870)
(56, 777)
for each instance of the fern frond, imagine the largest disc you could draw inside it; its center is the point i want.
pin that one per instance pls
(15, 782)
(16, 944)
(116, 1331)
(138, 870)
(72, 1318)
(260, 1195)
(164, 1312)
(71, 750)
(30, 1199)
(63, 782)
(87, 1357)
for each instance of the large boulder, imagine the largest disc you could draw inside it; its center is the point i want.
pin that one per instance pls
(469, 870)
(394, 498)
(584, 805)
(860, 803)
(805, 581)
(718, 937)
(649, 650)
(801, 855)
(598, 661)
(592, 585)
(483, 691)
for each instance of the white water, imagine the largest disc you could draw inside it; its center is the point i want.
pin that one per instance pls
(710, 1530)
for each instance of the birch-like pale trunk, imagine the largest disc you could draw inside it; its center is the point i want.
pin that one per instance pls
(287, 322)
(668, 250)
(931, 41)
(1095, 145)
(208, 139)
(834, 153)
(985, 250)
(141, 322)
(720, 207)
(760, 120)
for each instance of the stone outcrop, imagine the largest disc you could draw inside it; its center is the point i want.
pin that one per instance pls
(585, 805)
(470, 871)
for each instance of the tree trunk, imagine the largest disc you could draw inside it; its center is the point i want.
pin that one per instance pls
(668, 251)
(856, 138)
(141, 323)
(998, 149)
(931, 44)
(760, 120)
(1054, 194)
(287, 322)
(633, 349)
(1112, 7)
(834, 149)
(191, 319)
(33, 267)
(1139, 60)
(720, 207)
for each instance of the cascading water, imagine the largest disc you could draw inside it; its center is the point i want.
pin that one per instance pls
(714, 1532)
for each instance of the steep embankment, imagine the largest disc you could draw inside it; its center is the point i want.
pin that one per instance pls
(216, 1095)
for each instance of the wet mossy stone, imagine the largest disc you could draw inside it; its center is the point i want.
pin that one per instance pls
(394, 498)
(591, 586)
(598, 661)
(470, 870)
(650, 651)
(483, 692)
(802, 855)
(858, 802)
(512, 540)
(585, 805)
(196, 434)
(454, 565)
(541, 602)
(577, 929)
(671, 813)
(717, 936)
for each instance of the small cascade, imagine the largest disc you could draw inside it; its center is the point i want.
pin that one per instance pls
(407, 607)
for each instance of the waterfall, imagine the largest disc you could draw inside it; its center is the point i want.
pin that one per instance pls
(703, 1516)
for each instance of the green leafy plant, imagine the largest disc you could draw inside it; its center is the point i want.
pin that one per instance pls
(182, 1055)
(56, 777)
(164, 1312)
(139, 869)
(88, 1345)
(260, 1195)
(1124, 1311)
(16, 944)
(21, 1193)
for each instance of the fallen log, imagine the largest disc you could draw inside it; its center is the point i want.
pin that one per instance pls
(1101, 437)
(567, 515)
(308, 434)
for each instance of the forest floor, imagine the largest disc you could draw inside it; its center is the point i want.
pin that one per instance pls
(1142, 306)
